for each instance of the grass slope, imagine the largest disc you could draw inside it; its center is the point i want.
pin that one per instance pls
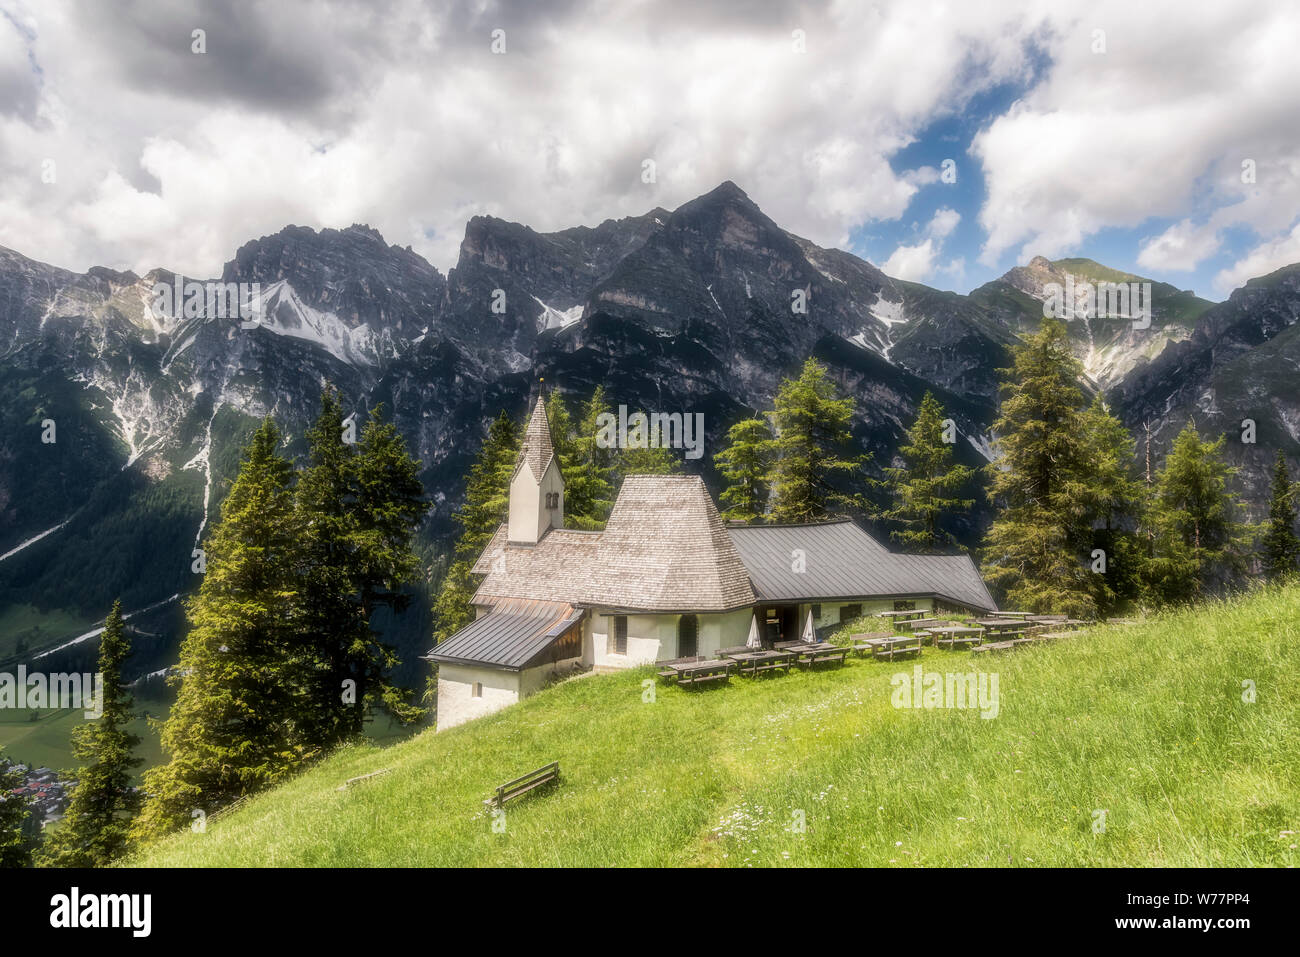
(1146, 722)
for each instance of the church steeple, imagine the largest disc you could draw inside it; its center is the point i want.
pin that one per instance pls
(536, 487)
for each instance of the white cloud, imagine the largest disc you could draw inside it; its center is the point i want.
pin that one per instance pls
(1179, 248)
(1263, 259)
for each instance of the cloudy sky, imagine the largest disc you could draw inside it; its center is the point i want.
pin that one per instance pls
(1158, 137)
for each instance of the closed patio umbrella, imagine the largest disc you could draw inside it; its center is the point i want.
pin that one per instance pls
(754, 641)
(809, 630)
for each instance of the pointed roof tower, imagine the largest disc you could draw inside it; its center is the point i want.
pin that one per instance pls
(537, 449)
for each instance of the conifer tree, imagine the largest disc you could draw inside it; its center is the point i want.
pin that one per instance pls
(812, 430)
(15, 811)
(357, 505)
(1198, 540)
(234, 728)
(1279, 545)
(94, 830)
(1034, 549)
(588, 470)
(746, 463)
(487, 501)
(925, 487)
(651, 460)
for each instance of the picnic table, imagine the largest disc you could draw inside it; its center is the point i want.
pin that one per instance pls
(811, 653)
(950, 636)
(695, 670)
(998, 626)
(916, 623)
(894, 646)
(754, 661)
(861, 642)
(897, 616)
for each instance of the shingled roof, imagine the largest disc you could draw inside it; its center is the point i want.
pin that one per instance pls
(840, 560)
(537, 449)
(664, 549)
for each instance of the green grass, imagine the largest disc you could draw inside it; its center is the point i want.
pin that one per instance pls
(1145, 722)
(26, 630)
(47, 740)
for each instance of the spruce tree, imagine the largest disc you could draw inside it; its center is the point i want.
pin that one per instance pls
(812, 431)
(1033, 552)
(234, 728)
(588, 468)
(357, 506)
(95, 828)
(925, 487)
(651, 460)
(487, 502)
(15, 810)
(1279, 546)
(746, 463)
(1198, 540)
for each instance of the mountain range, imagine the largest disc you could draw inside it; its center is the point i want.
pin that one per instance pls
(694, 309)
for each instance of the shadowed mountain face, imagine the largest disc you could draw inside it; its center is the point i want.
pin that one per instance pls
(701, 309)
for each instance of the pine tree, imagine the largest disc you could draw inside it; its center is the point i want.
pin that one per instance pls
(924, 488)
(1198, 540)
(812, 429)
(588, 468)
(1279, 544)
(746, 463)
(357, 506)
(234, 728)
(1034, 549)
(15, 811)
(1111, 499)
(487, 503)
(651, 460)
(95, 828)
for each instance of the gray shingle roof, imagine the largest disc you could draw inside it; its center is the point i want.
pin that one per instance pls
(843, 561)
(664, 548)
(507, 637)
(537, 449)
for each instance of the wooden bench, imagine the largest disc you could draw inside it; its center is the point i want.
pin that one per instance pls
(669, 673)
(993, 647)
(899, 649)
(550, 774)
(862, 642)
(959, 641)
(815, 655)
(705, 673)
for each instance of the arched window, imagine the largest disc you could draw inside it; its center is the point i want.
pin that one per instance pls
(688, 631)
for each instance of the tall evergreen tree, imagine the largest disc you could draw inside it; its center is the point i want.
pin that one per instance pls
(1279, 545)
(358, 505)
(487, 502)
(812, 431)
(1034, 549)
(234, 728)
(651, 460)
(746, 463)
(98, 820)
(15, 812)
(1198, 540)
(588, 471)
(925, 487)
(1111, 500)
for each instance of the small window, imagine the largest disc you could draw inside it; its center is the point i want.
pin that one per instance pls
(552, 500)
(902, 604)
(476, 690)
(817, 612)
(618, 635)
(850, 612)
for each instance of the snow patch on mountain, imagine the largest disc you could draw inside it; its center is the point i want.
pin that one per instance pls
(552, 318)
(282, 311)
(33, 540)
(982, 445)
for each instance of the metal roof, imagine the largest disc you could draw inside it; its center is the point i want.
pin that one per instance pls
(840, 560)
(508, 637)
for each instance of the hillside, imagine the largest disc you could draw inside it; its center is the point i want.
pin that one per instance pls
(1144, 721)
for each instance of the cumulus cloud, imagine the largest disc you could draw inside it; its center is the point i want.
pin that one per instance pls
(918, 262)
(399, 114)
(1263, 259)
